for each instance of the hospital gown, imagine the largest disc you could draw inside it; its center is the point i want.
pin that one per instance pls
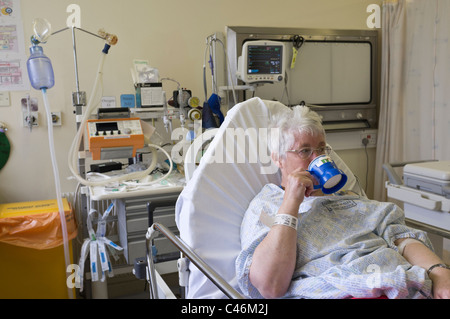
(345, 248)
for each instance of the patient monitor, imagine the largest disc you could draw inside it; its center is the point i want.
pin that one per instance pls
(262, 61)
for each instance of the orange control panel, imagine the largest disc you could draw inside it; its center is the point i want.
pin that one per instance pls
(114, 133)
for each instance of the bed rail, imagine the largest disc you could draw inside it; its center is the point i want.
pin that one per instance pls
(210, 273)
(392, 174)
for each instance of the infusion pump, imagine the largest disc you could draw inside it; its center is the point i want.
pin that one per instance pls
(114, 138)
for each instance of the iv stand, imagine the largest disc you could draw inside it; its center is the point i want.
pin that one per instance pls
(78, 97)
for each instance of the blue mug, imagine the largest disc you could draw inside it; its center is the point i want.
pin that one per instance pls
(331, 179)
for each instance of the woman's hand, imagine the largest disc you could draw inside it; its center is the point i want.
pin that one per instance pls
(441, 283)
(299, 183)
(418, 254)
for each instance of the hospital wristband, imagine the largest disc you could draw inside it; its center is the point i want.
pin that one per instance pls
(285, 220)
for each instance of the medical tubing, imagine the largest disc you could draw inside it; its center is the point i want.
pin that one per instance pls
(205, 86)
(137, 175)
(150, 169)
(230, 79)
(62, 215)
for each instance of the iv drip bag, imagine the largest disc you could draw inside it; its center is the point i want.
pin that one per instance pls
(42, 30)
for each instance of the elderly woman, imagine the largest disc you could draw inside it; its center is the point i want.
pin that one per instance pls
(298, 243)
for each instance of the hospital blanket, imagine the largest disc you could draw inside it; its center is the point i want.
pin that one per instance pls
(345, 248)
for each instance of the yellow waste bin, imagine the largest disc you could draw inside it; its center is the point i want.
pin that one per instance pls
(32, 263)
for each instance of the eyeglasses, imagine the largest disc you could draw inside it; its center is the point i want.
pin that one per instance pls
(306, 152)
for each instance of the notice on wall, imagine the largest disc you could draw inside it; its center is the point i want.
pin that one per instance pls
(13, 72)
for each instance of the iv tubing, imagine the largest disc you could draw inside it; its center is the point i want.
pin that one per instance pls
(62, 215)
(73, 152)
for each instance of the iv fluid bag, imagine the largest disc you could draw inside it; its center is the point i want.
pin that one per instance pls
(40, 70)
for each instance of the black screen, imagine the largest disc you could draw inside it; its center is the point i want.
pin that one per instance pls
(106, 126)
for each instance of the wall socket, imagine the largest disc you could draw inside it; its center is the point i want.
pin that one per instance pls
(5, 99)
(56, 118)
(371, 138)
(30, 119)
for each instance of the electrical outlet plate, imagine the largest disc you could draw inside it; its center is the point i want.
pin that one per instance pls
(371, 137)
(4, 99)
(34, 119)
(56, 118)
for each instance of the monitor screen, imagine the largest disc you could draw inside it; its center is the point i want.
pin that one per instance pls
(264, 59)
(106, 126)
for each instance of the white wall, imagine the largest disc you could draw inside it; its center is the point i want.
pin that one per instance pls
(170, 34)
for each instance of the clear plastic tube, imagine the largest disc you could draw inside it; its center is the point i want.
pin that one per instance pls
(57, 185)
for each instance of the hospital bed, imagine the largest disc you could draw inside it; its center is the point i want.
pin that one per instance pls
(210, 208)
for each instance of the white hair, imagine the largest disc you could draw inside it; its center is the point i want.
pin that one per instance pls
(295, 121)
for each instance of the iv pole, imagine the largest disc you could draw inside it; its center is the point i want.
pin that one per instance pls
(79, 97)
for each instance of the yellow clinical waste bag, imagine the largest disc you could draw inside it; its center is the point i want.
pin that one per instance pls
(32, 263)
